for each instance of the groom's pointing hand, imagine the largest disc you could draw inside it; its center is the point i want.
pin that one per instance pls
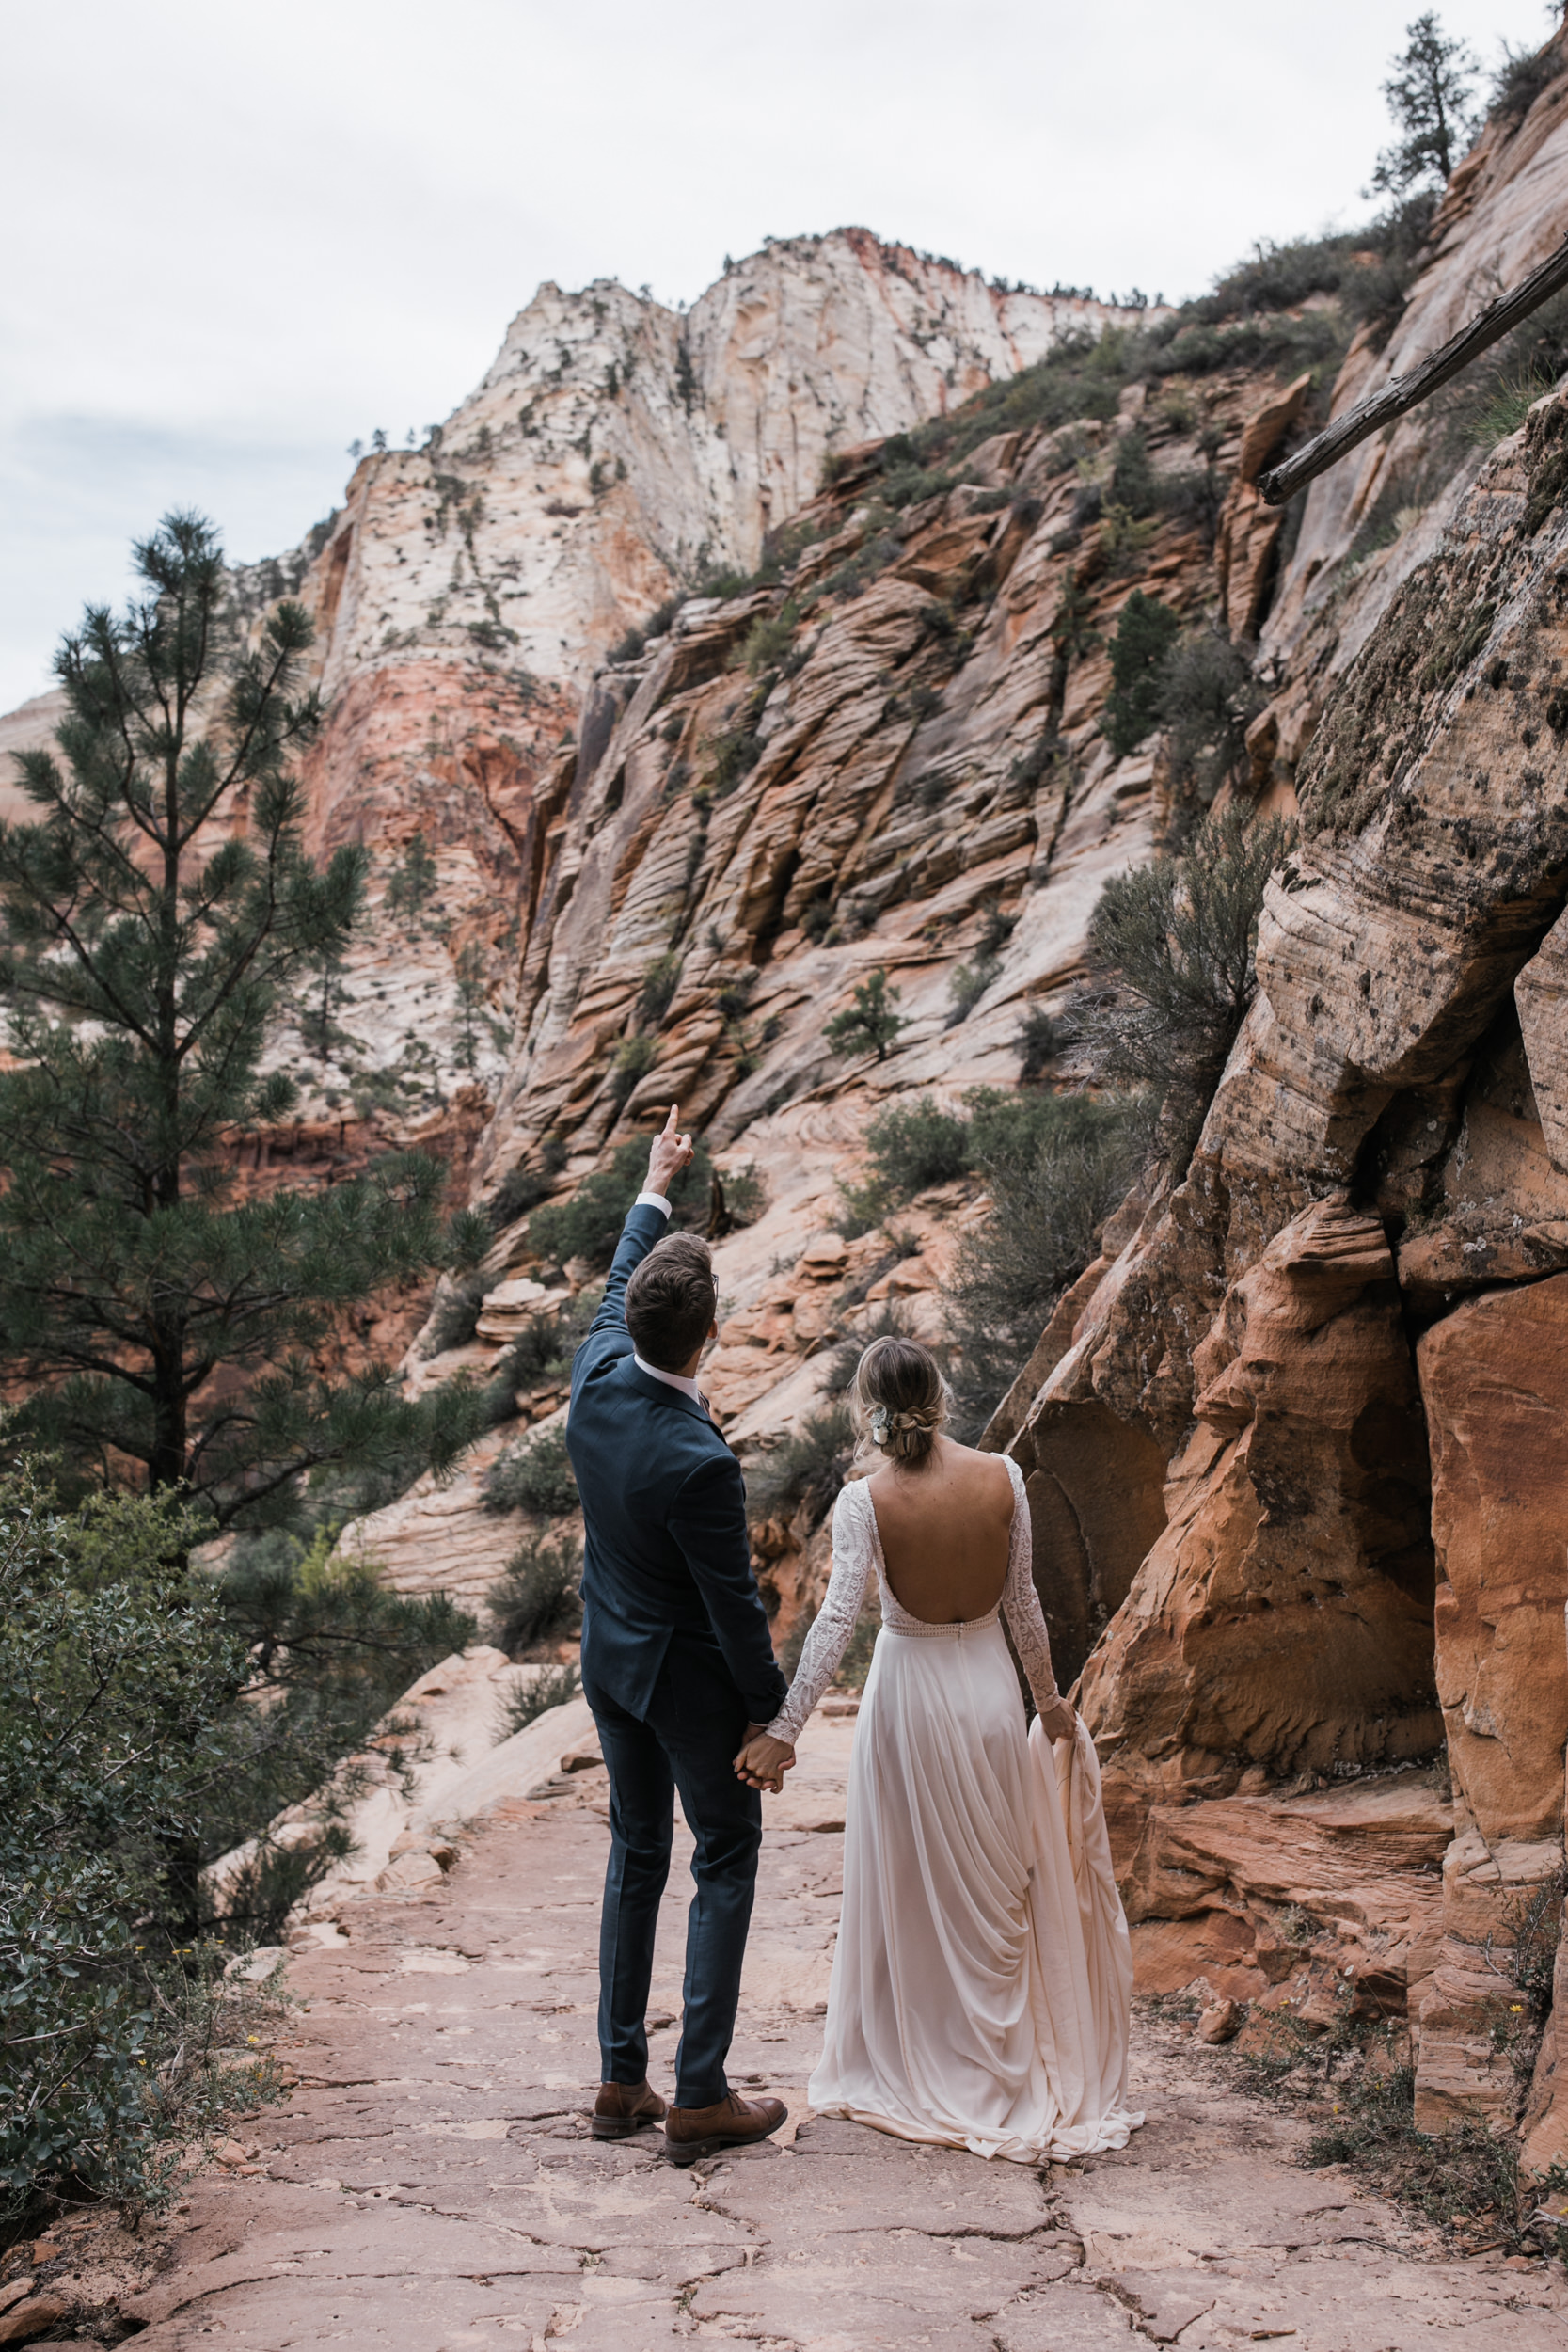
(671, 1154)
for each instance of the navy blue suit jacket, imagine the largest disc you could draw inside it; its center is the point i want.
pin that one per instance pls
(666, 1554)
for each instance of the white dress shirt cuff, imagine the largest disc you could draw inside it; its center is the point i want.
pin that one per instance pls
(651, 1201)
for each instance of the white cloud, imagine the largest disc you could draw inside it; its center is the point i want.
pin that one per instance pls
(238, 239)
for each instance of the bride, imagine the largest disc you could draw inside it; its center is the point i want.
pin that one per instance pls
(981, 1983)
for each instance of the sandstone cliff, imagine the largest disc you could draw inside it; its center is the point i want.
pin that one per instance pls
(1344, 1324)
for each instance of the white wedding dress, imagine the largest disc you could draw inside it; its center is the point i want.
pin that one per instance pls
(982, 1979)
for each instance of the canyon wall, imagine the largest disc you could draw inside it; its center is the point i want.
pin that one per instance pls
(1344, 1321)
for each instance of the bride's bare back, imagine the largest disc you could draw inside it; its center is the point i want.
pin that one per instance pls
(945, 1531)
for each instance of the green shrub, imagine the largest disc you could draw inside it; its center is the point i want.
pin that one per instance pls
(1207, 698)
(1038, 1042)
(1175, 944)
(112, 1677)
(537, 1595)
(519, 1190)
(634, 1057)
(658, 620)
(733, 758)
(1195, 500)
(869, 1021)
(1134, 482)
(413, 879)
(1057, 1165)
(816, 919)
(552, 1686)
(1146, 633)
(589, 1225)
(769, 640)
(1520, 78)
(331, 1649)
(805, 1470)
(968, 984)
(151, 1718)
(455, 1311)
(660, 983)
(917, 1144)
(1316, 340)
(542, 1351)
(536, 1475)
(1455, 2178)
(743, 1195)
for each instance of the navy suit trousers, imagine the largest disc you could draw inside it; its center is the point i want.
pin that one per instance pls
(694, 1727)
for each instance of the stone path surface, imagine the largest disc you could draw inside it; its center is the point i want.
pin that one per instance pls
(430, 2185)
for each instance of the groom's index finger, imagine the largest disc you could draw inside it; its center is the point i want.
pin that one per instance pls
(669, 1122)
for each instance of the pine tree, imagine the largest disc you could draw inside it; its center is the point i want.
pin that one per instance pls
(1429, 93)
(151, 917)
(868, 1021)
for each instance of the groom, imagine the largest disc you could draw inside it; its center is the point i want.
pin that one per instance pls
(677, 1667)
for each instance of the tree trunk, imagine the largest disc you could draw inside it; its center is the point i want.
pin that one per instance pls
(1405, 392)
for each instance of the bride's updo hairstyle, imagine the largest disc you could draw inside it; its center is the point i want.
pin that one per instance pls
(897, 1403)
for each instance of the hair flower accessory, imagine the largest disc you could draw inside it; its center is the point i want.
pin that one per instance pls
(880, 1416)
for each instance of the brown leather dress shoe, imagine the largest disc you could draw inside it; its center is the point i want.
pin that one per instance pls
(693, 2132)
(622, 2108)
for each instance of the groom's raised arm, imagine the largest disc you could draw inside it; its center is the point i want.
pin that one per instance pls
(647, 1221)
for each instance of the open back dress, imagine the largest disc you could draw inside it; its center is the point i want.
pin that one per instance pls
(983, 1975)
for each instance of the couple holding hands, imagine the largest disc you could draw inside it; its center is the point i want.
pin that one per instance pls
(982, 1976)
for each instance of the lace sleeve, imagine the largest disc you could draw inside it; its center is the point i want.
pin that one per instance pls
(828, 1637)
(1021, 1604)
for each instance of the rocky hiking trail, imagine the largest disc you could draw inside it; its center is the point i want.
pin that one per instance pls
(430, 2184)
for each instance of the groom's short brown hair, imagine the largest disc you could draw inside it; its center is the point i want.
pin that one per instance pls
(670, 1301)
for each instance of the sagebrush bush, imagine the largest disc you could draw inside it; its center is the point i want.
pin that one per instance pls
(744, 1194)
(542, 1352)
(1038, 1041)
(769, 640)
(1207, 698)
(1490, 399)
(1173, 944)
(1195, 499)
(455, 1312)
(552, 1686)
(1057, 1165)
(660, 983)
(915, 1145)
(537, 1597)
(634, 1057)
(535, 1475)
(804, 1471)
(968, 982)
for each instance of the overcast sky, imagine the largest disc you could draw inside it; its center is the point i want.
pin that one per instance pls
(237, 239)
